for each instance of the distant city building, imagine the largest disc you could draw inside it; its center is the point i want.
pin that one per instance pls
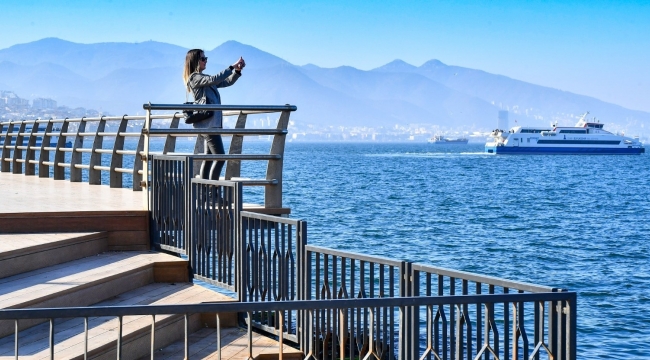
(12, 107)
(503, 120)
(42, 103)
(9, 98)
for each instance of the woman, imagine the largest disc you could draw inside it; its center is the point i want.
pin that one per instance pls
(204, 88)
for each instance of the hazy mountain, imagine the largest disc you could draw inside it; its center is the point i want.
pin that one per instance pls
(42, 79)
(94, 61)
(120, 77)
(527, 102)
(442, 105)
(228, 52)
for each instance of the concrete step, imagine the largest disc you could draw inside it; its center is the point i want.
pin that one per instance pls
(136, 330)
(21, 253)
(234, 342)
(87, 281)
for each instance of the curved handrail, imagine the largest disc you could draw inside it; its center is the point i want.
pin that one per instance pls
(244, 108)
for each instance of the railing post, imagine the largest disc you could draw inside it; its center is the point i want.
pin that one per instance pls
(59, 155)
(233, 167)
(170, 141)
(95, 176)
(302, 289)
(571, 308)
(408, 344)
(191, 225)
(75, 173)
(141, 181)
(4, 166)
(30, 169)
(241, 266)
(117, 157)
(17, 167)
(44, 156)
(413, 283)
(273, 193)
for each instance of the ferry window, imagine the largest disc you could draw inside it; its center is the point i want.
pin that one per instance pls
(533, 131)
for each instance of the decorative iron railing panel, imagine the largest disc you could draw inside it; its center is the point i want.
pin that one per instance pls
(273, 248)
(333, 274)
(215, 219)
(465, 321)
(170, 203)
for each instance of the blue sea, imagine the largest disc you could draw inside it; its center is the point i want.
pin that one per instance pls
(569, 221)
(575, 222)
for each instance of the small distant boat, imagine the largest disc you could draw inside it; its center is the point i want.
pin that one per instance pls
(439, 139)
(586, 137)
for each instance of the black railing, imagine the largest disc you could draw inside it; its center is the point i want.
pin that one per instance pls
(273, 249)
(170, 203)
(367, 331)
(264, 258)
(216, 250)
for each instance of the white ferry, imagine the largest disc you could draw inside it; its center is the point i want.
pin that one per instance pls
(586, 137)
(439, 139)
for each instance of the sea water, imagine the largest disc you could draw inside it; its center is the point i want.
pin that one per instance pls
(570, 221)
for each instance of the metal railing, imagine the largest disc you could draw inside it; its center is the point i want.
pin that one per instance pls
(65, 158)
(68, 157)
(267, 259)
(216, 253)
(368, 330)
(273, 249)
(273, 182)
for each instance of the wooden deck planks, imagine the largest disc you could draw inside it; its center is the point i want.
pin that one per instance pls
(11, 244)
(28, 252)
(25, 289)
(20, 194)
(28, 194)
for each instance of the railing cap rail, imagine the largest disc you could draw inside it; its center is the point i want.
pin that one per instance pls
(483, 279)
(278, 108)
(354, 255)
(222, 307)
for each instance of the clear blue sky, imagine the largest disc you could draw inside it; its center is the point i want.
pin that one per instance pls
(596, 48)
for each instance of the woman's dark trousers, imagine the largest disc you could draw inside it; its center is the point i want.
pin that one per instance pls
(211, 170)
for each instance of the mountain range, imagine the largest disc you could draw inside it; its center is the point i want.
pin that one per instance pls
(120, 77)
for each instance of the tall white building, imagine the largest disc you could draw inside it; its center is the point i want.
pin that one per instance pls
(503, 120)
(41, 103)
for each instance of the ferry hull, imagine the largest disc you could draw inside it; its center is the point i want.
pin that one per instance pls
(513, 150)
(449, 142)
